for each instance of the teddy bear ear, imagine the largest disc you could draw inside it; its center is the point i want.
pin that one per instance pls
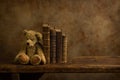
(25, 31)
(39, 37)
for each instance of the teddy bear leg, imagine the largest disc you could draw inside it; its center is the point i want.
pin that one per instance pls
(35, 60)
(22, 59)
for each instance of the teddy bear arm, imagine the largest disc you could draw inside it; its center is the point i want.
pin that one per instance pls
(43, 60)
(20, 53)
(41, 54)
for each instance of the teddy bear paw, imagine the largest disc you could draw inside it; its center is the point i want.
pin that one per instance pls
(35, 60)
(23, 59)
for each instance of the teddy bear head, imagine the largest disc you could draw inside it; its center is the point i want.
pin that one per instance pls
(32, 37)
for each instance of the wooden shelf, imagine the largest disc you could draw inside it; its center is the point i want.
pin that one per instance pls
(83, 64)
(70, 68)
(78, 65)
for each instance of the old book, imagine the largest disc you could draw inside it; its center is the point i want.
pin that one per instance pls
(52, 45)
(46, 41)
(64, 48)
(58, 46)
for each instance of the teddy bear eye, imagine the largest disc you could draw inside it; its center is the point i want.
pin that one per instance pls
(27, 38)
(32, 39)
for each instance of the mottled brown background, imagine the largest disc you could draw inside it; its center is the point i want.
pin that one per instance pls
(92, 27)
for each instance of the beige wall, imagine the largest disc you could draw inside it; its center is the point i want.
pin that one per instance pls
(92, 27)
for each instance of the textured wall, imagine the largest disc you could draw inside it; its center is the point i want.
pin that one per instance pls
(92, 27)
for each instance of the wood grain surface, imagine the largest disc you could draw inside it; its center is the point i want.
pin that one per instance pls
(87, 65)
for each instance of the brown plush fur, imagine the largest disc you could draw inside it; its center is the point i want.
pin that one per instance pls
(33, 52)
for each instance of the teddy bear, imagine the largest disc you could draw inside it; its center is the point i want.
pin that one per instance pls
(32, 53)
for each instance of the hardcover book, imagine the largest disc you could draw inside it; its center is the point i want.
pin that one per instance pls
(46, 41)
(58, 46)
(64, 49)
(52, 45)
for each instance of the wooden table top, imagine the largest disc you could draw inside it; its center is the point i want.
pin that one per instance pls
(78, 65)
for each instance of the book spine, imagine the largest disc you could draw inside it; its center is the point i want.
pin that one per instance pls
(58, 46)
(52, 45)
(46, 41)
(64, 49)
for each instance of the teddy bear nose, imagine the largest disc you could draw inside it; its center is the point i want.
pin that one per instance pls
(27, 43)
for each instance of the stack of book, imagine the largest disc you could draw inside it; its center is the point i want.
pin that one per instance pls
(55, 45)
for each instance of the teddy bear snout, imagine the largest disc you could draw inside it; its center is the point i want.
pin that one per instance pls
(30, 43)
